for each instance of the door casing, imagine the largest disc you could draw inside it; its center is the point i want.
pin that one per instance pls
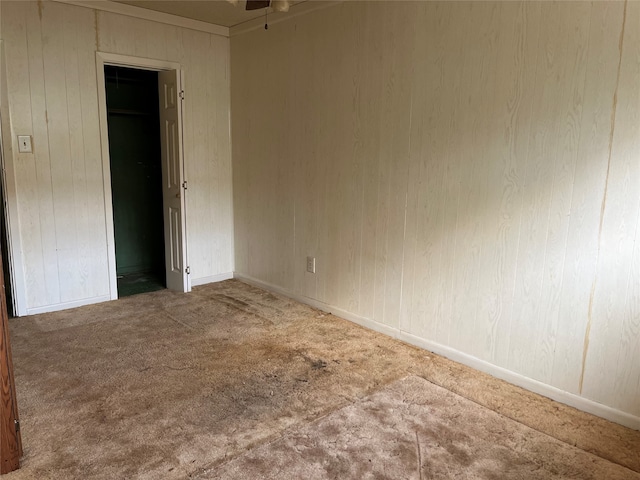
(103, 59)
(9, 202)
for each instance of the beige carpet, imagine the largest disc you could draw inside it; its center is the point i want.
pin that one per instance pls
(413, 429)
(168, 386)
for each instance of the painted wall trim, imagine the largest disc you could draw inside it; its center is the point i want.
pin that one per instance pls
(65, 305)
(527, 383)
(103, 59)
(535, 386)
(14, 242)
(212, 279)
(295, 11)
(145, 14)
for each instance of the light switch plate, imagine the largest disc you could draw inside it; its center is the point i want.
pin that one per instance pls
(24, 144)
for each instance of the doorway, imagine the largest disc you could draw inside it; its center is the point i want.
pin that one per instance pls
(158, 87)
(133, 120)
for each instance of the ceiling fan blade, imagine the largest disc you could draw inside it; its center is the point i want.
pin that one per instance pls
(257, 4)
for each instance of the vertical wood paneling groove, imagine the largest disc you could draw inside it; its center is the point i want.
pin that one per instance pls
(489, 268)
(449, 158)
(563, 183)
(62, 234)
(484, 227)
(514, 336)
(581, 248)
(78, 172)
(610, 370)
(502, 262)
(98, 271)
(409, 224)
(369, 173)
(39, 198)
(467, 164)
(592, 298)
(536, 195)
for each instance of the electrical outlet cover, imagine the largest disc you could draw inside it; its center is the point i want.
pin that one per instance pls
(311, 264)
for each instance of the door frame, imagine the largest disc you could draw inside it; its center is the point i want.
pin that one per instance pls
(103, 59)
(9, 200)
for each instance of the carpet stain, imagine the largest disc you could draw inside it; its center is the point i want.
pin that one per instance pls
(477, 443)
(123, 390)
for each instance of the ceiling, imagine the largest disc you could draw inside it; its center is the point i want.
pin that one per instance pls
(219, 12)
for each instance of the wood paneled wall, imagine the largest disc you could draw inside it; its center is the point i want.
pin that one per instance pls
(52, 91)
(466, 172)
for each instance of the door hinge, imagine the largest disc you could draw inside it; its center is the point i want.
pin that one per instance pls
(187, 270)
(17, 423)
(184, 184)
(181, 94)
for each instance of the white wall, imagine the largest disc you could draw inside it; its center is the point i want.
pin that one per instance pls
(58, 190)
(467, 175)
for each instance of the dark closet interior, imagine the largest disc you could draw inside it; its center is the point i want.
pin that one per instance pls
(4, 241)
(136, 178)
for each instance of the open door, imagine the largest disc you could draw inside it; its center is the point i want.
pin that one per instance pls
(10, 437)
(172, 179)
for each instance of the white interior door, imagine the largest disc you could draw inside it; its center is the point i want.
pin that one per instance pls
(173, 181)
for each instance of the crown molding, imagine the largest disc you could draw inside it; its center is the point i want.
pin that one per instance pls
(152, 15)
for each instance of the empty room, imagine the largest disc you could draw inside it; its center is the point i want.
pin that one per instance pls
(320, 239)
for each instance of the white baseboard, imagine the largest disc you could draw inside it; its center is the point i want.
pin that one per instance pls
(571, 399)
(535, 386)
(66, 305)
(211, 279)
